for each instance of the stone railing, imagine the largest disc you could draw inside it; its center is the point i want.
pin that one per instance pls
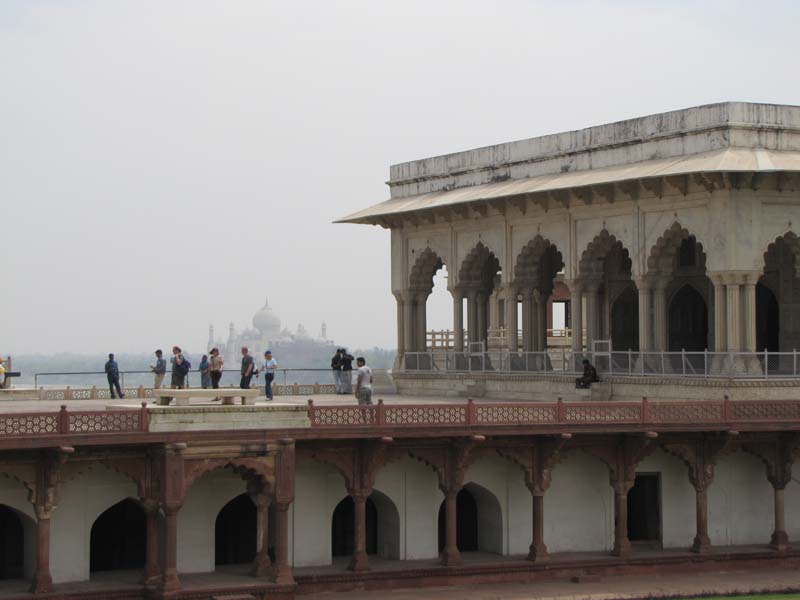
(64, 422)
(555, 413)
(146, 393)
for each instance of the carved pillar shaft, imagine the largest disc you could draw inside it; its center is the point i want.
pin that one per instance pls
(42, 581)
(660, 342)
(359, 562)
(645, 321)
(408, 323)
(511, 321)
(734, 317)
(780, 539)
(261, 563)
(151, 569)
(576, 314)
(622, 545)
(538, 549)
(720, 316)
(422, 322)
(592, 316)
(170, 581)
(450, 554)
(480, 309)
(401, 333)
(458, 320)
(702, 543)
(472, 317)
(281, 571)
(749, 316)
(527, 301)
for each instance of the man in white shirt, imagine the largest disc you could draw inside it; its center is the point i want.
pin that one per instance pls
(364, 382)
(269, 366)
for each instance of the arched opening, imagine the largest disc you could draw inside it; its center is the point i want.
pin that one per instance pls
(625, 321)
(606, 276)
(426, 277)
(12, 544)
(677, 265)
(343, 524)
(688, 321)
(479, 521)
(236, 532)
(767, 320)
(387, 536)
(118, 539)
(478, 278)
(778, 298)
(535, 273)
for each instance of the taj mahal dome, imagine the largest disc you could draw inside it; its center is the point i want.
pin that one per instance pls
(266, 332)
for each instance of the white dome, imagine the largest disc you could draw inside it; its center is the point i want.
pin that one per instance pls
(266, 321)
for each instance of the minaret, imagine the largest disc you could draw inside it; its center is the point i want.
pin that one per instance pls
(324, 334)
(210, 336)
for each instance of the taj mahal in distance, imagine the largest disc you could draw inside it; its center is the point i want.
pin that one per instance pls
(672, 239)
(266, 333)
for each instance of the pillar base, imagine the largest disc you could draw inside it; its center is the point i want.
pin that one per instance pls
(451, 558)
(282, 575)
(151, 580)
(359, 563)
(622, 550)
(780, 541)
(170, 582)
(42, 583)
(701, 546)
(262, 567)
(538, 554)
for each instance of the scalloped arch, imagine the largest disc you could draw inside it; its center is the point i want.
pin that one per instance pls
(424, 269)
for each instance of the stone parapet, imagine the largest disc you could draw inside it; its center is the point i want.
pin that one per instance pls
(198, 418)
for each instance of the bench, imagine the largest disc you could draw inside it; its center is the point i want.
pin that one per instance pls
(182, 397)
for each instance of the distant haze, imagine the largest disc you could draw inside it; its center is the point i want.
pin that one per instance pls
(164, 165)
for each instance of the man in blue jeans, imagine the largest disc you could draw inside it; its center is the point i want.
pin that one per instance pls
(112, 374)
(248, 367)
(270, 364)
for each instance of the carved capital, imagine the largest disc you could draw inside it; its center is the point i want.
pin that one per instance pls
(700, 455)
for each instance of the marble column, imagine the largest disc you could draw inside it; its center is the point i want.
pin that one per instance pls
(576, 315)
(458, 320)
(732, 293)
(480, 309)
(660, 340)
(512, 332)
(749, 316)
(527, 338)
(592, 314)
(472, 316)
(408, 322)
(401, 333)
(720, 313)
(644, 288)
(538, 313)
(422, 322)
(359, 561)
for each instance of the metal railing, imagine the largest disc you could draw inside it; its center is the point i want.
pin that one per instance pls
(135, 378)
(732, 365)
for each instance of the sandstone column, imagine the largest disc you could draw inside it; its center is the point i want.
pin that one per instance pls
(511, 321)
(622, 545)
(458, 320)
(359, 562)
(281, 571)
(151, 567)
(779, 540)
(42, 581)
(261, 563)
(450, 554)
(170, 581)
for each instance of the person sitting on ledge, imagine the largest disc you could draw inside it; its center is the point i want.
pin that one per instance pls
(589, 376)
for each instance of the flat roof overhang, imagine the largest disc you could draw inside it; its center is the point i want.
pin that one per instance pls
(727, 160)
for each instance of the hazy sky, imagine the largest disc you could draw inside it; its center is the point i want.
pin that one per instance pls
(164, 165)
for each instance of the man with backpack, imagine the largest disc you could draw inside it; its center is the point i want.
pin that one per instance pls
(180, 369)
